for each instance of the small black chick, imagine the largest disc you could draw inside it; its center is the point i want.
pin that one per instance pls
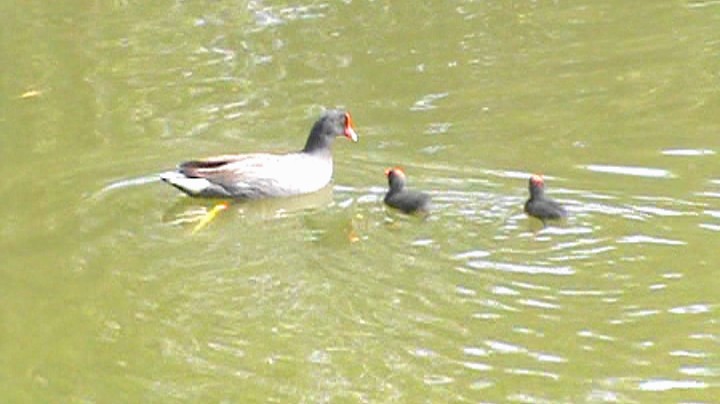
(540, 206)
(400, 198)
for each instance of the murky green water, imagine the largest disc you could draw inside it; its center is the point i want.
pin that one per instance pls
(108, 297)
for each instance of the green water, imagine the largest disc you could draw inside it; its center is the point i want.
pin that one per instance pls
(107, 296)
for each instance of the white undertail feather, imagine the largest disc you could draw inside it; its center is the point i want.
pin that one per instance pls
(192, 186)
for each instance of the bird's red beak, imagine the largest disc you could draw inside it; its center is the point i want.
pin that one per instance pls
(349, 130)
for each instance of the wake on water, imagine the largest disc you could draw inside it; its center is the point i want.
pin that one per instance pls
(126, 183)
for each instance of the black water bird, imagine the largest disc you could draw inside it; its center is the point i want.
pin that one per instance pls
(539, 206)
(401, 198)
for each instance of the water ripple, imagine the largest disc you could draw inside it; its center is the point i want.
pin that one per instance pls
(692, 309)
(688, 152)
(629, 170)
(472, 254)
(643, 239)
(530, 372)
(520, 268)
(538, 304)
(657, 211)
(477, 366)
(504, 347)
(712, 227)
(699, 371)
(689, 354)
(597, 336)
(665, 385)
(426, 102)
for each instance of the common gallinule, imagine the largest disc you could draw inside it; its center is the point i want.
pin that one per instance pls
(400, 198)
(540, 206)
(264, 175)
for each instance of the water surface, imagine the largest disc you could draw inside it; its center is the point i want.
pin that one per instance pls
(108, 296)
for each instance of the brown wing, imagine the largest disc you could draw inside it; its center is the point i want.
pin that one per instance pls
(209, 167)
(245, 174)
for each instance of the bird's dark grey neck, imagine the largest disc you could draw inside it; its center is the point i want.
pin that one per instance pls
(536, 192)
(396, 186)
(318, 140)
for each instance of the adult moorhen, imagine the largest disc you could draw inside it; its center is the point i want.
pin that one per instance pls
(265, 175)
